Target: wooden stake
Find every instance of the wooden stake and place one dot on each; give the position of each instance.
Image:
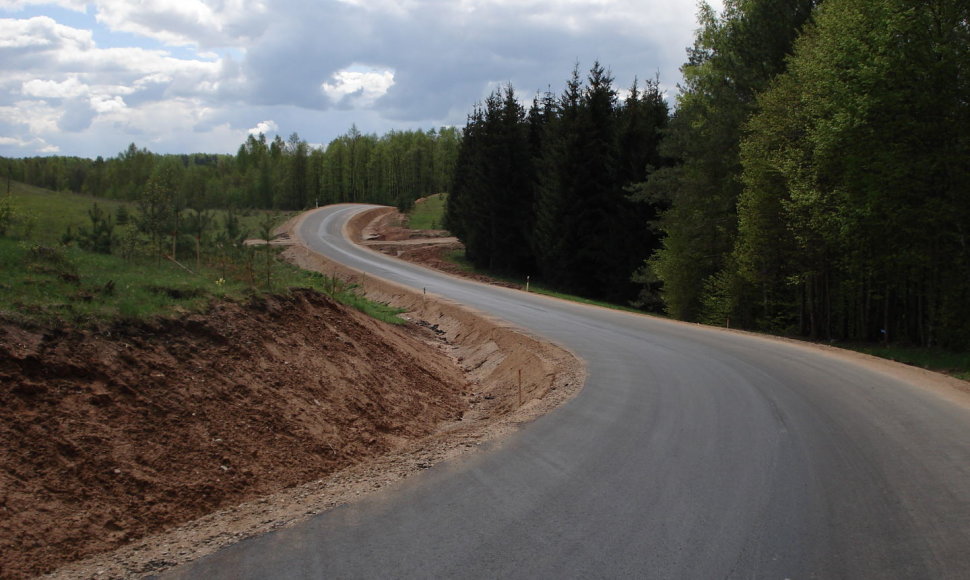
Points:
(174, 261)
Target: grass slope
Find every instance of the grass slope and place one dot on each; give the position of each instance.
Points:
(43, 281)
(428, 214)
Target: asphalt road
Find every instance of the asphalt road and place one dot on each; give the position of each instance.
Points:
(691, 453)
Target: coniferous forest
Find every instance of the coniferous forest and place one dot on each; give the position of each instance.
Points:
(810, 177)
(545, 191)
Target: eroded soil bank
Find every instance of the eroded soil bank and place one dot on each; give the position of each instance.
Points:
(109, 436)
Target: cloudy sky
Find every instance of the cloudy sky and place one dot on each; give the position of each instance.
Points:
(87, 78)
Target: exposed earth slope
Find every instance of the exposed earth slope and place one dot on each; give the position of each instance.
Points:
(107, 436)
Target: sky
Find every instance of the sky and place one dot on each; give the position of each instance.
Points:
(87, 78)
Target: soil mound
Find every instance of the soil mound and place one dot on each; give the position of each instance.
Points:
(107, 436)
(385, 231)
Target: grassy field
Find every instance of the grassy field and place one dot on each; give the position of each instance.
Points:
(429, 214)
(45, 281)
(46, 215)
(49, 213)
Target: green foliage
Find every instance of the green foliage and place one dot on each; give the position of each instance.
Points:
(544, 192)
(100, 237)
(491, 199)
(7, 214)
(266, 226)
(53, 285)
(351, 295)
(156, 212)
(734, 57)
(854, 213)
(122, 216)
(72, 285)
(394, 169)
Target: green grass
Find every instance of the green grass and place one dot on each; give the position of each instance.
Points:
(43, 281)
(44, 215)
(540, 289)
(49, 213)
(458, 258)
(54, 284)
(956, 364)
(429, 214)
(351, 296)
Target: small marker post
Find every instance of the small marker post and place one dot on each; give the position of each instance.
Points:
(520, 387)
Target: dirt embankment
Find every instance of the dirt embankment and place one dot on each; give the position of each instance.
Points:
(493, 353)
(170, 440)
(385, 232)
(108, 436)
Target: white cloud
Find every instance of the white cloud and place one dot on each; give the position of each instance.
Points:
(105, 104)
(42, 32)
(364, 86)
(14, 5)
(45, 89)
(264, 127)
(57, 80)
(38, 117)
(32, 147)
(133, 70)
(185, 22)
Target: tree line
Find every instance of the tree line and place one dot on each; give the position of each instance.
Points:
(394, 169)
(544, 192)
(823, 179)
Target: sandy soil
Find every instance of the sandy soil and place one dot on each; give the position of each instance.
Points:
(126, 451)
(384, 232)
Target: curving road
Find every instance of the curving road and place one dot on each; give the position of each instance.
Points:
(691, 453)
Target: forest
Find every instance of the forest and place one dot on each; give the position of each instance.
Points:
(824, 146)
(813, 178)
(394, 169)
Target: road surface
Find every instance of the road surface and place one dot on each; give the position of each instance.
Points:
(691, 453)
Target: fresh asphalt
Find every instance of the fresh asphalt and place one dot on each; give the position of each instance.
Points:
(690, 453)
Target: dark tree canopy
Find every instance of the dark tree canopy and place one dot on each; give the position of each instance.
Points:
(544, 192)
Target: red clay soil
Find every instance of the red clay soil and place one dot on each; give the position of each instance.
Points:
(107, 436)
